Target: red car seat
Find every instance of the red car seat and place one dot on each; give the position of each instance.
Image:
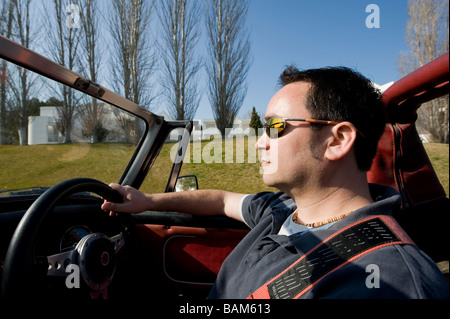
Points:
(402, 162)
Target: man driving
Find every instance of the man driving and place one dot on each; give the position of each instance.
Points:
(326, 228)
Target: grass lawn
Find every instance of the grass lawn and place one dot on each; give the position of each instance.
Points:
(238, 177)
(438, 154)
(46, 165)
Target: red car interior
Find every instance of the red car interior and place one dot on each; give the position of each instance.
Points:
(190, 257)
(401, 161)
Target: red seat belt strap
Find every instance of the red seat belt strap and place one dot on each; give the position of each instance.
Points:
(336, 251)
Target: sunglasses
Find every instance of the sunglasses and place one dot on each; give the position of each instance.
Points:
(275, 126)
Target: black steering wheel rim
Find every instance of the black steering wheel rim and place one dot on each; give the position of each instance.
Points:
(20, 258)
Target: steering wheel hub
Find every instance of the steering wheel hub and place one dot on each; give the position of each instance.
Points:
(97, 260)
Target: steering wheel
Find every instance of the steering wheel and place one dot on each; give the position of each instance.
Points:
(93, 258)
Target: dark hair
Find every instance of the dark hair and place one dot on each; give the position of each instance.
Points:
(341, 94)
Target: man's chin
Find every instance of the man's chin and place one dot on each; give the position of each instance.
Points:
(268, 168)
(269, 180)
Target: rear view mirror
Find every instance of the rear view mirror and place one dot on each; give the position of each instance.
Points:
(186, 183)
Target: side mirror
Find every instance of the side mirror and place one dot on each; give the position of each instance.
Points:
(186, 183)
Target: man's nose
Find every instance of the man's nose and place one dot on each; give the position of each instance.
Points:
(263, 142)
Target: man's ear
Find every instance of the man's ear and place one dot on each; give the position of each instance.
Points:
(341, 141)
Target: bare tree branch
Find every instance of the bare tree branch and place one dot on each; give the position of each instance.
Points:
(6, 21)
(90, 113)
(24, 81)
(180, 34)
(229, 49)
(63, 42)
(133, 57)
(427, 37)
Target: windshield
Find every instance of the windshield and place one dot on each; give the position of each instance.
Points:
(52, 133)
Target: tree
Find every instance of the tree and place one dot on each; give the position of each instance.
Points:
(6, 19)
(180, 34)
(229, 51)
(64, 39)
(255, 121)
(133, 59)
(90, 113)
(427, 36)
(22, 81)
(52, 101)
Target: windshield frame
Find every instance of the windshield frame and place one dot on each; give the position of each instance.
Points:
(156, 128)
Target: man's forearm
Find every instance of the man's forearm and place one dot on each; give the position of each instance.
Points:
(199, 202)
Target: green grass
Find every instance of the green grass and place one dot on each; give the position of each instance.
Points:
(238, 177)
(46, 165)
(439, 154)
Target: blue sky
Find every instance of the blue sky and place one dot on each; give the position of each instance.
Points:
(318, 33)
(308, 34)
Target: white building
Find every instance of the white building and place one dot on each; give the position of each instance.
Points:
(42, 129)
(240, 127)
(207, 128)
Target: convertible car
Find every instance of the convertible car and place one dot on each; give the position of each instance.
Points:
(56, 242)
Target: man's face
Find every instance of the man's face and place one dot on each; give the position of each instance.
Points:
(287, 161)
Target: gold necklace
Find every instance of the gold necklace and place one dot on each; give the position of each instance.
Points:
(321, 223)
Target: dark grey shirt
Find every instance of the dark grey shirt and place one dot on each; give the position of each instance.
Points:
(404, 271)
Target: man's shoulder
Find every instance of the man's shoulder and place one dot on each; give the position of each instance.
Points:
(260, 205)
(269, 199)
(392, 272)
(399, 271)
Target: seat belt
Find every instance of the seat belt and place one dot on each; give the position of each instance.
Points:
(336, 251)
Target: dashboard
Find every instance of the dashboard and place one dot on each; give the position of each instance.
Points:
(63, 228)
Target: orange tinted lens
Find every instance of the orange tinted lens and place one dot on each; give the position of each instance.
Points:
(275, 127)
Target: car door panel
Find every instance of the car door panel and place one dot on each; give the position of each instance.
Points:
(187, 259)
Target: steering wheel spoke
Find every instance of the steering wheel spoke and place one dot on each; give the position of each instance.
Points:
(58, 263)
(118, 241)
